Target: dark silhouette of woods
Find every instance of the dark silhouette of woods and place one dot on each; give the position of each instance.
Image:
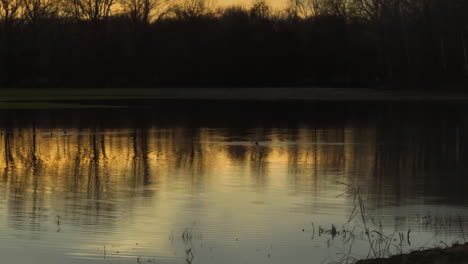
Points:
(150, 43)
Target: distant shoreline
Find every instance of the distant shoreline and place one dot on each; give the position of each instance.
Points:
(21, 95)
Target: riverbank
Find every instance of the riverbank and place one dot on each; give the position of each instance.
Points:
(260, 94)
(456, 254)
(42, 98)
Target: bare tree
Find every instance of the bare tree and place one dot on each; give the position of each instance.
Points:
(304, 8)
(260, 9)
(93, 10)
(311, 8)
(383, 14)
(376, 10)
(339, 8)
(188, 9)
(144, 11)
(10, 12)
(35, 10)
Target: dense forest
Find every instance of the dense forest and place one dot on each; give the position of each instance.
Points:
(151, 43)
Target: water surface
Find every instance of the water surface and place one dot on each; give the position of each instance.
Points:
(227, 182)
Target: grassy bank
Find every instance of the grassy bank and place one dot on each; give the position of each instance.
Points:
(273, 94)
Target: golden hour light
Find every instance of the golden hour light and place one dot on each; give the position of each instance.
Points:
(233, 131)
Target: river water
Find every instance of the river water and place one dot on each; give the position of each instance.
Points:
(231, 182)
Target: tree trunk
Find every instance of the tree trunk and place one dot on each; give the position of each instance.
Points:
(465, 55)
(442, 54)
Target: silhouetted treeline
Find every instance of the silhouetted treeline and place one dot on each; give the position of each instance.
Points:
(150, 43)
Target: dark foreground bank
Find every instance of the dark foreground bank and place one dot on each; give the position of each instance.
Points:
(456, 254)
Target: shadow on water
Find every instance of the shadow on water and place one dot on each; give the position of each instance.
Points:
(95, 159)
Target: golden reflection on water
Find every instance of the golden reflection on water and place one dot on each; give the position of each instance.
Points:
(97, 164)
(138, 156)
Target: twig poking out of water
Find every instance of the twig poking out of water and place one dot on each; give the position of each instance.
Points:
(380, 243)
(189, 256)
(58, 224)
(333, 231)
(171, 236)
(462, 230)
(313, 231)
(368, 229)
(187, 235)
(408, 237)
(105, 252)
